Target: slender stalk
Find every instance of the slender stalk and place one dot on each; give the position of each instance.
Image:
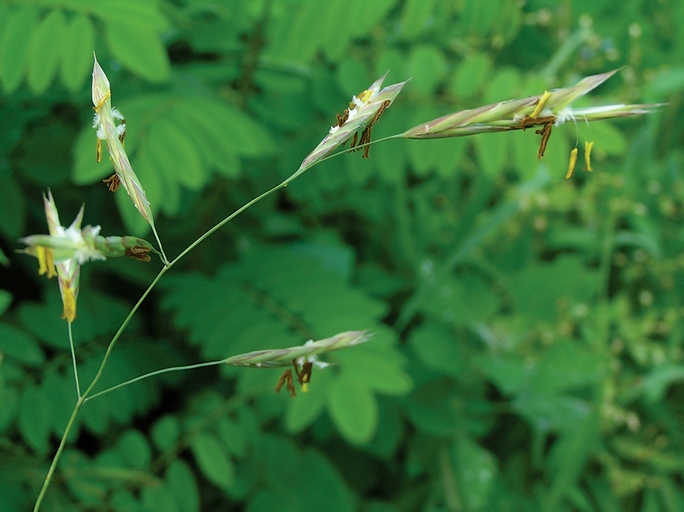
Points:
(81, 400)
(154, 373)
(266, 194)
(58, 455)
(225, 221)
(73, 360)
(161, 247)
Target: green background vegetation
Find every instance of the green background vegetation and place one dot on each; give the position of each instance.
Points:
(527, 329)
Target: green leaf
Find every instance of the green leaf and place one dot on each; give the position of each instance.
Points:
(159, 497)
(550, 412)
(175, 155)
(45, 51)
(462, 300)
(269, 499)
(391, 61)
(366, 16)
(221, 157)
(427, 155)
(228, 128)
(145, 14)
(566, 277)
(351, 77)
(134, 449)
(233, 435)
(371, 367)
(477, 18)
(77, 56)
(415, 15)
(427, 65)
(333, 41)
(17, 344)
(165, 432)
(510, 374)
(34, 418)
(139, 49)
(470, 75)
(493, 152)
(320, 486)
(212, 459)
(659, 379)
(5, 301)
(182, 484)
(438, 348)
(476, 471)
(299, 33)
(14, 49)
(303, 411)
(504, 85)
(569, 457)
(432, 411)
(353, 409)
(567, 365)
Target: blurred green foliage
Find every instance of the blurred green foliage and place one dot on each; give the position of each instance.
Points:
(527, 351)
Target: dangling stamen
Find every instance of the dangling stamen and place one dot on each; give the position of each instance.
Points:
(286, 377)
(571, 163)
(587, 156)
(113, 182)
(545, 133)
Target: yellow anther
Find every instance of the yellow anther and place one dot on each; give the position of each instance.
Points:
(571, 163)
(69, 301)
(107, 95)
(587, 156)
(365, 95)
(98, 151)
(46, 263)
(540, 104)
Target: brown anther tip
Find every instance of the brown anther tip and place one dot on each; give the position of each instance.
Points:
(112, 182)
(341, 119)
(303, 375)
(545, 133)
(354, 139)
(286, 377)
(122, 137)
(139, 253)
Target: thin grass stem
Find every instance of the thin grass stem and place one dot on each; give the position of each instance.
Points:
(73, 360)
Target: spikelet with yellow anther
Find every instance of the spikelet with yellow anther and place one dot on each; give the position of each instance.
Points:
(548, 110)
(62, 252)
(363, 112)
(107, 129)
(303, 358)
